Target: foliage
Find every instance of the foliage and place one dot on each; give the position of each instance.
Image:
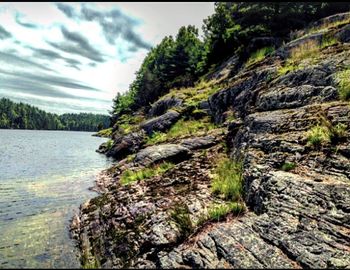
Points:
(287, 166)
(343, 80)
(182, 128)
(227, 181)
(233, 25)
(218, 211)
(130, 176)
(338, 132)
(109, 144)
(259, 55)
(24, 116)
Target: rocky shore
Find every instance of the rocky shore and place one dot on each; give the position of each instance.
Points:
(284, 119)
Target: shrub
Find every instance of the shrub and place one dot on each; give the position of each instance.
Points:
(109, 144)
(218, 211)
(130, 176)
(259, 55)
(343, 80)
(287, 166)
(227, 181)
(318, 135)
(105, 132)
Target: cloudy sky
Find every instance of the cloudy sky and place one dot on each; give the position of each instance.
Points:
(75, 57)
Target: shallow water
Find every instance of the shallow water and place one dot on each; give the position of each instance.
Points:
(44, 177)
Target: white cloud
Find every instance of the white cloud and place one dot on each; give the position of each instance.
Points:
(155, 20)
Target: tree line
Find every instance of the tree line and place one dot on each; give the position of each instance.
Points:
(23, 116)
(179, 61)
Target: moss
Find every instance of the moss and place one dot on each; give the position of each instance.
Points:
(181, 216)
(259, 55)
(343, 80)
(109, 144)
(219, 211)
(105, 132)
(287, 166)
(130, 176)
(227, 181)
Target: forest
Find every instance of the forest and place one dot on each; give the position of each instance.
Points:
(182, 60)
(23, 116)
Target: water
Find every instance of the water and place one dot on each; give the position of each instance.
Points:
(44, 177)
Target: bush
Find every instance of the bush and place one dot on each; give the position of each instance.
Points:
(181, 216)
(343, 80)
(227, 181)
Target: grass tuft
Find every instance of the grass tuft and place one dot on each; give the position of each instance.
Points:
(259, 55)
(287, 166)
(227, 181)
(343, 80)
(130, 176)
(219, 211)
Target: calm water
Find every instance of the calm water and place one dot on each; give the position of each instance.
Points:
(44, 177)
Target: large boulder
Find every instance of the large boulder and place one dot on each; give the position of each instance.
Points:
(199, 142)
(158, 153)
(127, 144)
(162, 105)
(160, 123)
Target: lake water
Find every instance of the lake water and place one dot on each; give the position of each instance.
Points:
(44, 177)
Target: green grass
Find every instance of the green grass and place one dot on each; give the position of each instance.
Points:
(130, 176)
(181, 216)
(328, 41)
(182, 128)
(309, 50)
(338, 132)
(218, 211)
(287, 166)
(129, 123)
(227, 181)
(259, 55)
(318, 135)
(343, 80)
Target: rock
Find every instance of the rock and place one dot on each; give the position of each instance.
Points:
(157, 153)
(160, 123)
(199, 142)
(126, 144)
(162, 105)
(103, 148)
(343, 34)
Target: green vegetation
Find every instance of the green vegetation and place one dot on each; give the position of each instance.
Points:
(343, 80)
(287, 166)
(318, 135)
(218, 211)
(130, 176)
(128, 122)
(23, 116)
(181, 216)
(109, 144)
(182, 128)
(227, 181)
(259, 55)
(306, 51)
(328, 41)
(107, 132)
(338, 132)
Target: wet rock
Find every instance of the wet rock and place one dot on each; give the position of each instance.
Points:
(160, 123)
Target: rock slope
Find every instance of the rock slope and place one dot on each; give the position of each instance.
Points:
(297, 193)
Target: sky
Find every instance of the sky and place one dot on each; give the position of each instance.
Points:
(75, 57)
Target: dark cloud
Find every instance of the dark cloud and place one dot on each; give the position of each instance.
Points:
(113, 23)
(10, 57)
(51, 55)
(77, 44)
(28, 25)
(67, 10)
(4, 34)
(49, 79)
